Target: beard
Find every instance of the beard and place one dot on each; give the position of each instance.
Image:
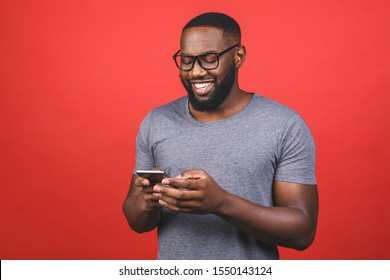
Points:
(221, 92)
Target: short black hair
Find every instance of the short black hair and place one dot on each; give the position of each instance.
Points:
(218, 20)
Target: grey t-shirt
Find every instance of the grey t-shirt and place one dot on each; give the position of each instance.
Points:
(244, 153)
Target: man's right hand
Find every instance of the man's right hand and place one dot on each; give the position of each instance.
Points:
(141, 208)
(146, 189)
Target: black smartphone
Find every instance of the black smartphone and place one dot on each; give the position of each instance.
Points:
(154, 176)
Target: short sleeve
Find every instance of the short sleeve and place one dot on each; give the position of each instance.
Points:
(144, 155)
(296, 153)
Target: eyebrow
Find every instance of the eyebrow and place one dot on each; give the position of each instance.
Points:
(203, 53)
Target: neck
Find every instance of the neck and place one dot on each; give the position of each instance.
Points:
(234, 103)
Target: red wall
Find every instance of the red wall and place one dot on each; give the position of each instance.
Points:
(77, 77)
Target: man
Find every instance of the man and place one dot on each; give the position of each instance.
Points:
(241, 166)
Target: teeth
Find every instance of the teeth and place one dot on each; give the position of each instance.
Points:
(202, 85)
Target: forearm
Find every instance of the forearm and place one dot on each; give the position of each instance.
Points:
(290, 223)
(140, 218)
(284, 226)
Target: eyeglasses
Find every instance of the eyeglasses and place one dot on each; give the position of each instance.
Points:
(208, 61)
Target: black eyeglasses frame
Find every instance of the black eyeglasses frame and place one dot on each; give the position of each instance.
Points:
(196, 58)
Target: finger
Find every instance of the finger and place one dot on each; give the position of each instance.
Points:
(175, 208)
(192, 174)
(147, 189)
(179, 183)
(191, 204)
(150, 199)
(177, 193)
(152, 203)
(140, 182)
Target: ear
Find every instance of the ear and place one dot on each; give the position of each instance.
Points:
(240, 56)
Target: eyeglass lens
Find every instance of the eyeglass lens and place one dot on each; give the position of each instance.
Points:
(206, 61)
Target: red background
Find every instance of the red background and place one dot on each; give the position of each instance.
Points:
(77, 77)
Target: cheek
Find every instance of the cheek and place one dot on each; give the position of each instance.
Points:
(222, 71)
(226, 71)
(218, 75)
(183, 75)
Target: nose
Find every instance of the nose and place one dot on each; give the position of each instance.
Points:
(197, 70)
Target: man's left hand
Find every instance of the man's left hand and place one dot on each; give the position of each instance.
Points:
(194, 191)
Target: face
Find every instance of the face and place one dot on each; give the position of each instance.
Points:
(207, 89)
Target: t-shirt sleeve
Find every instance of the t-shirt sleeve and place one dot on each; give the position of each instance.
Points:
(296, 153)
(144, 155)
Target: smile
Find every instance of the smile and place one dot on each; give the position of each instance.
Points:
(202, 88)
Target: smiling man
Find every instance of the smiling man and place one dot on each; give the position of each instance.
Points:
(240, 167)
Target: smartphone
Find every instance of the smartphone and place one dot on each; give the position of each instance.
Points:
(154, 176)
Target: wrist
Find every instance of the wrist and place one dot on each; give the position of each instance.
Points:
(225, 204)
